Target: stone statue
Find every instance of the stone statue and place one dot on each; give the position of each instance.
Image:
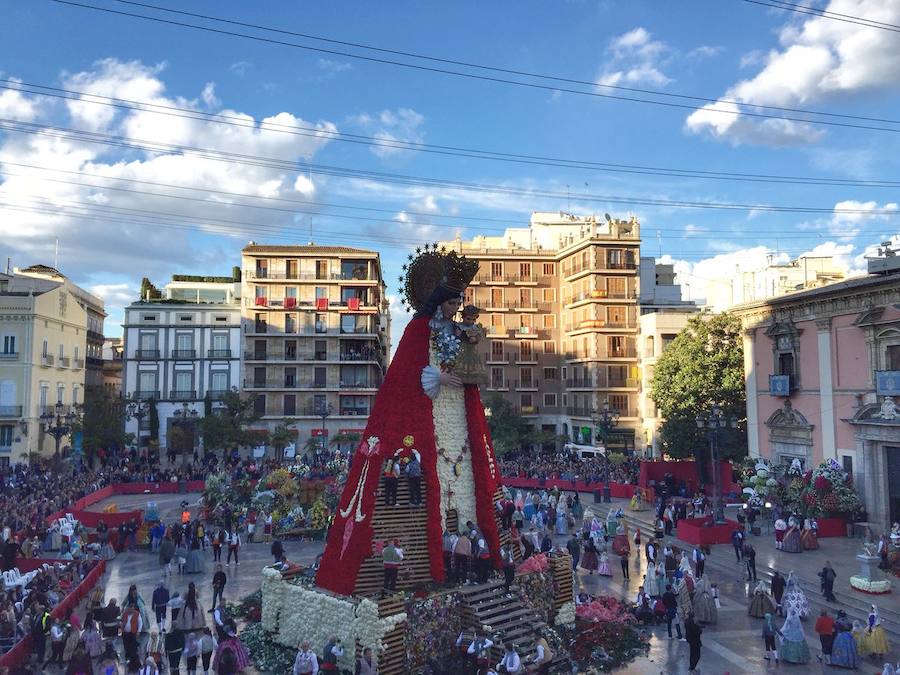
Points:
(889, 409)
(867, 549)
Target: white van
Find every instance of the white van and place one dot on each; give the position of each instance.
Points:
(585, 451)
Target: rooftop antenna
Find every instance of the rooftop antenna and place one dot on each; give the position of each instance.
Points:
(56, 256)
(659, 242)
(311, 242)
(568, 199)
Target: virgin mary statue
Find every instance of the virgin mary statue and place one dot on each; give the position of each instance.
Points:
(421, 409)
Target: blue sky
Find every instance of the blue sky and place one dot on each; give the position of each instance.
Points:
(721, 48)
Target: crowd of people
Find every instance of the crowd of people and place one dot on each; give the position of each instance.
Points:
(567, 465)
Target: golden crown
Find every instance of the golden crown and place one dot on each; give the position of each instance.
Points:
(431, 267)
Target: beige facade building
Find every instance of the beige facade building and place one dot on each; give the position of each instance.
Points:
(43, 342)
(560, 306)
(663, 315)
(316, 335)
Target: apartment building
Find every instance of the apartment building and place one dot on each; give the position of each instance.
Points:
(182, 343)
(94, 306)
(663, 314)
(559, 301)
(316, 335)
(43, 339)
(113, 354)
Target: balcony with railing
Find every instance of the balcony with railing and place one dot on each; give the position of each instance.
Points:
(219, 353)
(7, 411)
(216, 394)
(497, 331)
(526, 385)
(146, 394)
(184, 353)
(371, 383)
(183, 394)
(498, 385)
(64, 362)
(526, 410)
(78, 364)
(47, 359)
(578, 411)
(146, 354)
(580, 383)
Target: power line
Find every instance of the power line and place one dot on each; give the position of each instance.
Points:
(532, 85)
(447, 150)
(207, 202)
(826, 14)
(383, 177)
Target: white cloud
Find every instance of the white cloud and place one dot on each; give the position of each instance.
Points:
(240, 68)
(848, 225)
(635, 58)
(705, 52)
(116, 294)
(752, 58)
(15, 106)
(691, 229)
(129, 231)
(819, 59)
(399, 319)
(209, 95)
(330, 66)
(402, 124)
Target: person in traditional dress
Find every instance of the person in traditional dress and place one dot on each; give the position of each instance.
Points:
(791, 542)
(794, 598)
(194, 561)
(621, 543)
(810, 539)
(423, 405)
(793, 647)
(683, 594)
(651, 584)
(590, 561)
(844, 652)
(704, 605)
(684, 564)
(780, 528)
(875, 638)
(562, 524)
(761, 603)
(603, 568)
(637, 500)
(859, 636)
(661, 579)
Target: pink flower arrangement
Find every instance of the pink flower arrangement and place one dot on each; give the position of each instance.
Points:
(606, 610)
(810, 499)
(807, 477)
(822, 484)
(536, 563)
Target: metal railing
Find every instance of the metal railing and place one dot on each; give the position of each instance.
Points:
(78, 363)
(146, 354)
(64, 362)
(143, 395)
(219, 353)
(46, 359)
(184, 353)
(183, 394)
(523, 384)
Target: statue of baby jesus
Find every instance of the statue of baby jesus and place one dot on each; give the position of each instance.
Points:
(469, 366)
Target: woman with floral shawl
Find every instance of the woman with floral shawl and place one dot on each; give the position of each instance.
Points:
(704, 606)
(761, 603)
(844, 653)
(794, 598)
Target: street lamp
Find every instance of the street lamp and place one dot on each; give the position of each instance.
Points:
(58, 424)
(325, 412)
(605, 420)
(185, 417)
(137, 410)
(713, 422)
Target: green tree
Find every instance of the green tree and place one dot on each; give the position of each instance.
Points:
(229, 425)
(282, 436)
(351, 438)
(154, 421)
(509, 431)
(703, 366)
(101, 422)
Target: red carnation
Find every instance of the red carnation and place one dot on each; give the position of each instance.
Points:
(810, 499)
(807, 477)
(822, 484)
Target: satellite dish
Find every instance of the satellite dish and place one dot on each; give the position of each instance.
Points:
(608, 217)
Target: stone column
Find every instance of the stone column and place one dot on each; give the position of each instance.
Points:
(826, 389)
(753, 422)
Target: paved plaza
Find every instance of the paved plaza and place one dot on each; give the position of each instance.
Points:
(733, 645)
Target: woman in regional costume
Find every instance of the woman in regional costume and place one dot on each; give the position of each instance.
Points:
(875, 639)
(637, 500)
(651, 586)
(684, 564)
(562, 521)
(810, 537)
(590, 561)
(780, 529)
(620, 542)
(844, 652)
(683, 597)
(603, 568)
(761, 603)
(704, 604)
(194, 564)
(859, 637)
(421, 404)
(791, 542)
(794, 598)
(793, 647)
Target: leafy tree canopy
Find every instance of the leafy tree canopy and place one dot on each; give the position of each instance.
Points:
(228, 426)
(703, 366)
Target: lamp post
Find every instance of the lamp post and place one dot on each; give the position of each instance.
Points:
(184, 418)
(325, 412)
(59, 424)
(136, 409)
(605, 420)
(714, 421)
